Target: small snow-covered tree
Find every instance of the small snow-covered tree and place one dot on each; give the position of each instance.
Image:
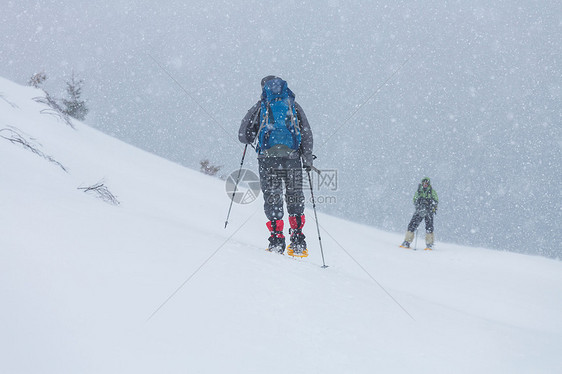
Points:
(75, 106)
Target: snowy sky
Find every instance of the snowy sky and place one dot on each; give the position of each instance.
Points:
(476, 107)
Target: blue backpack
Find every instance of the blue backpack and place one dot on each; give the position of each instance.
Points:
(279, 132)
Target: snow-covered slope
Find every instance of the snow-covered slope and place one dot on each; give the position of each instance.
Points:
(157, 285)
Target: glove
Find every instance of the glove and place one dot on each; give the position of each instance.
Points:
(434, 209)
(307, 167)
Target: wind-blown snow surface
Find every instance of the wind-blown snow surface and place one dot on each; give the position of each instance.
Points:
(157, 285)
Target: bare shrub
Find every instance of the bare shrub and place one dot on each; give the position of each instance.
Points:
(101, 191)
(37, 79)
(54, 109)
(15, 137)
(207, 168)
(8, 101)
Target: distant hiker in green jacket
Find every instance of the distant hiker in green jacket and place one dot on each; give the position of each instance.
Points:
(425, 201)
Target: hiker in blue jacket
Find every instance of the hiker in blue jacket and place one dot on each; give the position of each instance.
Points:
(280, 129)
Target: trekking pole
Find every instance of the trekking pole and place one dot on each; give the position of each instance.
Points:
(235, 185)
(316, 218)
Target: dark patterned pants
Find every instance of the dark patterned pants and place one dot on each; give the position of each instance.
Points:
(276, 174)
(419, 215)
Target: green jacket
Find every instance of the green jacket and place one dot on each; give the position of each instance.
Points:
(426, 197)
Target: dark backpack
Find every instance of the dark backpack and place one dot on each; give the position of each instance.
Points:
(279, 132)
